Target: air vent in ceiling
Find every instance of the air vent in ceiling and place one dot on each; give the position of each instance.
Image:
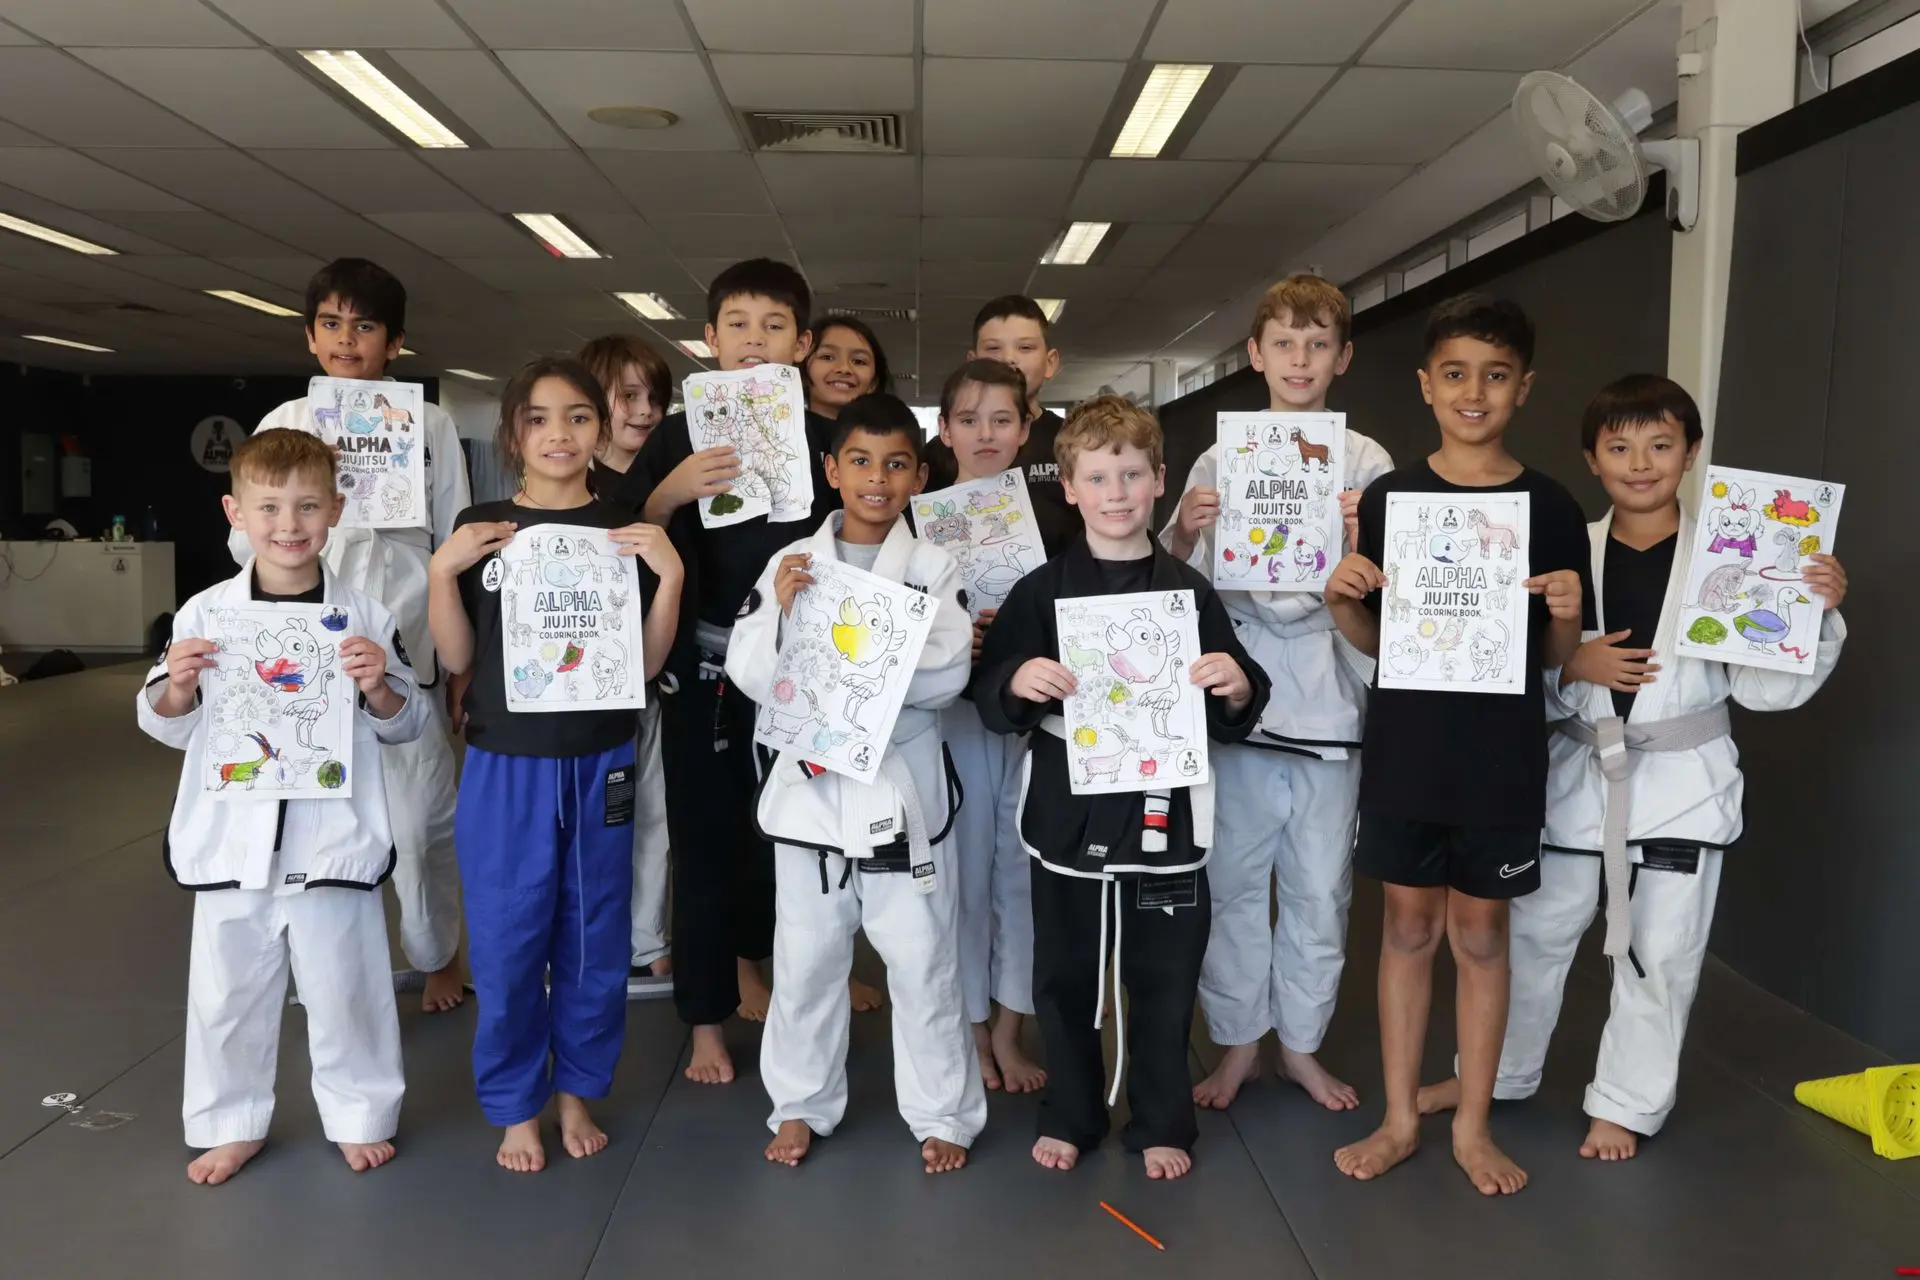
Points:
(876, 313)
(824, 131)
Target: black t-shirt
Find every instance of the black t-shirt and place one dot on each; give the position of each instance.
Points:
(551, 735)
(1468, 759)
(1634, 589)
(316, 594)
(1059, 519)
(1124, 577)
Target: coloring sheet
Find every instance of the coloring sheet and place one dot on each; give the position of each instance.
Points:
(279, 708)
(1453, 616)
(1136, 721)
(847, 653)
(761, 412)
(570, 621)
(988, 526)
(1280, 526)
(380, 430)
(1745, 602)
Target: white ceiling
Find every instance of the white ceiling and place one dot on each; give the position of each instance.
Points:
(191, 136)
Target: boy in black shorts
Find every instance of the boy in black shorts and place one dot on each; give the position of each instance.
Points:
(1453, 795)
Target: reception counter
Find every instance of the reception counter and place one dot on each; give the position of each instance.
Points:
(91, 597)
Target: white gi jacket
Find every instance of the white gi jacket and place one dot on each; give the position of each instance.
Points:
(233, 842)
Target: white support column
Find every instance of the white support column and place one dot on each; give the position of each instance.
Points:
(1166, 382)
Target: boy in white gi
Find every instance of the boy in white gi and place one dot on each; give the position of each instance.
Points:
(286, 880)
(820, 897)
(1680, 786)
(1296, 779)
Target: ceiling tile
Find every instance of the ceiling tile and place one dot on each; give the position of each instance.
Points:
(206, 234)
(802, 82)
(1211, 284)
(13, 35)
(668, 182)
(1161, 190)
(576, 24)
(48, 213)
(863, 278)
(730, 236)
(529, 181)
(190, 272)
(570, 84)
(348, 24)
(1306, 197)
(1003, 107)
(980, 187)
(224, 180)
(53, 94)
(1250, 250)
(1377, 115)
(1494, 36)
(330, 235)
(463, 235)
(11, 136)
(1144, 244)
(1024, 29)
(1297, 31)
(625, 236)
(860, 235)
(288, 273)
(173, 23)
(1256, 108)
(823, 184)
(1020, 240)
(820, 26)
(549, 275)
(247, 96)
(976, 280)
(373, 181)
(480, 96)
(1076, 283)
(79, 182)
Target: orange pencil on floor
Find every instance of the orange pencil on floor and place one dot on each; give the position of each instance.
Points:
(1132, 1226)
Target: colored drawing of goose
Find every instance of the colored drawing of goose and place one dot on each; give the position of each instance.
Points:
(1763, 627)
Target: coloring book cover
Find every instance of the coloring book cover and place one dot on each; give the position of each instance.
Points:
(1745, 602)
(570, 621)
(988, 526)
(1136, 721)
(279, 707)
(847, 653)
(1453, 616)
(1280, 526)
(761, 412)
(379, 428)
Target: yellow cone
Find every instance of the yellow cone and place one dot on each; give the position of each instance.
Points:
(1881, 1102)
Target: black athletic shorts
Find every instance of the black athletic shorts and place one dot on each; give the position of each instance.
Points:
(1481, 862)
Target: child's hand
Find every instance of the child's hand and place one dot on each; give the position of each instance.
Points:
(1600, 661)
(701, 475)
(1350, 514)
(980, 625)
(470, 544)
(1354, 578)
(1199, 509)
(651, 544)
(1221, 676)
(1562, 591)
(186, 659)
(1042, 680)
(1826, 576)
(790, 580)
(364, 662)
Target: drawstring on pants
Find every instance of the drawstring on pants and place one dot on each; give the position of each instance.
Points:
(566, 779)
(1119, 1009)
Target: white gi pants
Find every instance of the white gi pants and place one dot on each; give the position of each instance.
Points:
(1286, 819)
(803, 1056)
(1639, 1067)
(649, 840)
(336, 940)
(990, 864)
(426, 874)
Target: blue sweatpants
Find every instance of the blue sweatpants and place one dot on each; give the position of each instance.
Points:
(546, 868)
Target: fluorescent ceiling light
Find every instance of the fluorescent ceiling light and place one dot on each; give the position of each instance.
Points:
(1051, 307)
(468, 373)
(65, 342)
(51, 236)
(248, 300)
(562, 241)
(1165, 97)
(406, 352)
(370, 86)
(1076, 244)
(696, 348)
(649, 306)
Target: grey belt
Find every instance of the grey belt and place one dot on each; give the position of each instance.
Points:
(1615, 743)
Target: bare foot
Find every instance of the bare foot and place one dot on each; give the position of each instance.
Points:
(711, 1064)
(215, 1165)
(983, 1049)
(1372, 1156)
(1608, 1141)
(942, 1156)
(1020, 1073)
(578, 1133)
(1492, 1173)
(755, 995)
(1168, 1162)
(1052, 1153)
(1435, 1098)
(865, 998)
(521, 1149)
(1321, 1085)
(790, 1143)
(445, 989)
(1238, 1065)
(362, 1156)
(662, 968)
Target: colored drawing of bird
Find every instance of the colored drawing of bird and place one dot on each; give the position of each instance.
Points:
(531, 680)
(865, 632)
(1138, 651)
(1762, 627)
(308, 710)
(285, 656)
(1405, 655)
(561, 574)
(574, 654)
(247, 772)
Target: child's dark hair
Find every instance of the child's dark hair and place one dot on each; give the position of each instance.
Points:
(882, 374)
(762, 278)
(985, 373)
(877, 414)
(519, 394)
(1639, 400)
(1492, 320)
(608, 359)
(369, 288)
(1008, 306)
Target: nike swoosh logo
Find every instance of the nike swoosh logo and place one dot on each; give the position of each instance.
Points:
(1508, 873)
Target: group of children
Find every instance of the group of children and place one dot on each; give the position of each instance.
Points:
(982, 878)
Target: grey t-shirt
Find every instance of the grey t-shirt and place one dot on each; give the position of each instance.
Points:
(859, 555)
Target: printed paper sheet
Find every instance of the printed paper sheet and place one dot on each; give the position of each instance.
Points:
(570, 621)
(1280, 527)
(1453, 616)
(279, 705)
(761, 412)
(379, 428)
(988, 526)
(1136, 721)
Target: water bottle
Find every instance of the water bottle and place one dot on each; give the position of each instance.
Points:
(119, 529)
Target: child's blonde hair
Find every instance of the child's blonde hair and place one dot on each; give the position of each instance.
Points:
(271, 456)
(1107, 422)
(1302, 300)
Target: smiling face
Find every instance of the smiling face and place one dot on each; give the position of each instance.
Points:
(348, 344)
(1299, 359)
(635, 411)
(1114, 489)
(1020, 341)
(557, 431)
(285, 520)
(985, 430)
(1641, 464)
(755, 330)
(876, 473)
(840, 370)
(1474, 387)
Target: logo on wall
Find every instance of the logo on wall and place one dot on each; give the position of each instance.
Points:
(214, 440)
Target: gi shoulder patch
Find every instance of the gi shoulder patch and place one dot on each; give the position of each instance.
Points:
(751, 603)
(494, 574)
(400, 648)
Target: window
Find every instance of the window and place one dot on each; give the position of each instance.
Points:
(1875, 51)
(1500, 233)
(1432, 269)
(1369, 295)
